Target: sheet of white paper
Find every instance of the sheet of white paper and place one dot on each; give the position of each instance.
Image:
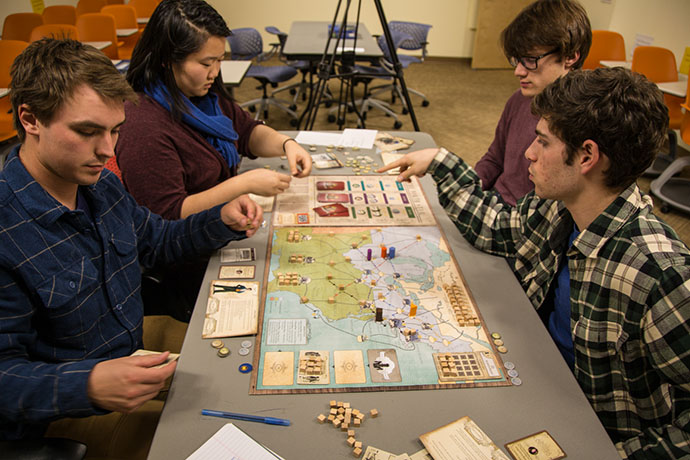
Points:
(317, 138)
(232, 443)
(362, 138)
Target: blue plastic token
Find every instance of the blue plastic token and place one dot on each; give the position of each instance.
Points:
(245, 368)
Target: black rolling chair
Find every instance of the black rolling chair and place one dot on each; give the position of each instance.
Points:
(295, 89)
(246, 43)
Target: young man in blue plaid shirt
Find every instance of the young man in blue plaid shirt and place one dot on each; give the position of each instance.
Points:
(610, 280)
(73, 243)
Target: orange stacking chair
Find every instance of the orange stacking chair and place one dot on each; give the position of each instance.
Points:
(18, 26)
(60, 14)
(125, 18)
(99, 27)
(89, 6)
(606, 46)
(9, 49)
(115, 2)
(144, 8)
(659, 65)
(54, 31)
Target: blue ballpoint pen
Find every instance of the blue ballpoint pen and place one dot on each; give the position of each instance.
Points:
(246, 417)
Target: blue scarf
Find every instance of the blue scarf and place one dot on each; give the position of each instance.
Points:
(205, 117)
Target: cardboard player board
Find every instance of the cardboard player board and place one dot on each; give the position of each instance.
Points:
(365, 309)
(352, 200)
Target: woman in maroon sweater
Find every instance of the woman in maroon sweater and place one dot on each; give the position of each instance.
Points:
(182, 144)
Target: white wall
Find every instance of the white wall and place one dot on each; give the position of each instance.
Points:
(665, 20)
(453, 21)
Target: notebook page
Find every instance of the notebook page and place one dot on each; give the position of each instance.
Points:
(231, 443)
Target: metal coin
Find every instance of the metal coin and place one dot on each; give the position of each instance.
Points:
(246, 344)
(502, 349)
(509, 365)
(243, 351)
(495, 335)
(245, 368)
(217, 344)
(513, 373)
(223, 352)
(517, 381)
(498, 342)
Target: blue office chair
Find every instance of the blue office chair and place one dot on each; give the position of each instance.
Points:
(295, 89)
(246, 44)
(419, 33)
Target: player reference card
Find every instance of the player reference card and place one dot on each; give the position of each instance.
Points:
(538, 446)
(236, 272)
(231, 255)
(232, 309)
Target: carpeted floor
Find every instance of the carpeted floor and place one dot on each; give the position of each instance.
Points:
(465, 106)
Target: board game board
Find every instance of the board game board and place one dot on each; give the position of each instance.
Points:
(361, 308)
(352, 200)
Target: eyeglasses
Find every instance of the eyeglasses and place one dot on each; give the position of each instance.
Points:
(529, 62)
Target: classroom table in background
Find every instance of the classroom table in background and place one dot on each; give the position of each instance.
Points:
(548, 399)
(99, 45)
(307, 40)
(143, 21)
(126, 32)
(674, 88)
(4, 92)
(233, 72)
(624, 64)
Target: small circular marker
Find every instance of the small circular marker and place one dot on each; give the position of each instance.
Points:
(509, 365)
(513, 373)
(498, 342)
(246, 344)
(495, 335)
(517, 381)
(245, 368)
(217, 343)
(223, 352)
(243, 351)
(502, 349)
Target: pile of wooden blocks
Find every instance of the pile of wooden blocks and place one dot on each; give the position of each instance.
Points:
(346, 418)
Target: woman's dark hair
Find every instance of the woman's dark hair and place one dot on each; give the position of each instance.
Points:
(176, 29)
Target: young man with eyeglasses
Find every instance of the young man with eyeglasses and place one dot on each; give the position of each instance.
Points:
(546, 40)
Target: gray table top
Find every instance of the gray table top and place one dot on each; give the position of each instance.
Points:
(549, 398)
(307, 40)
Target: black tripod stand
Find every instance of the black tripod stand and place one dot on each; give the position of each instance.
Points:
(346, 71)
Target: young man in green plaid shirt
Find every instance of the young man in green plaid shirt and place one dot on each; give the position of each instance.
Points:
(610, 280)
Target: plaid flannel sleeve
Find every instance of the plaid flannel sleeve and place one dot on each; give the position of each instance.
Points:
(666, 332)
(481, 216)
